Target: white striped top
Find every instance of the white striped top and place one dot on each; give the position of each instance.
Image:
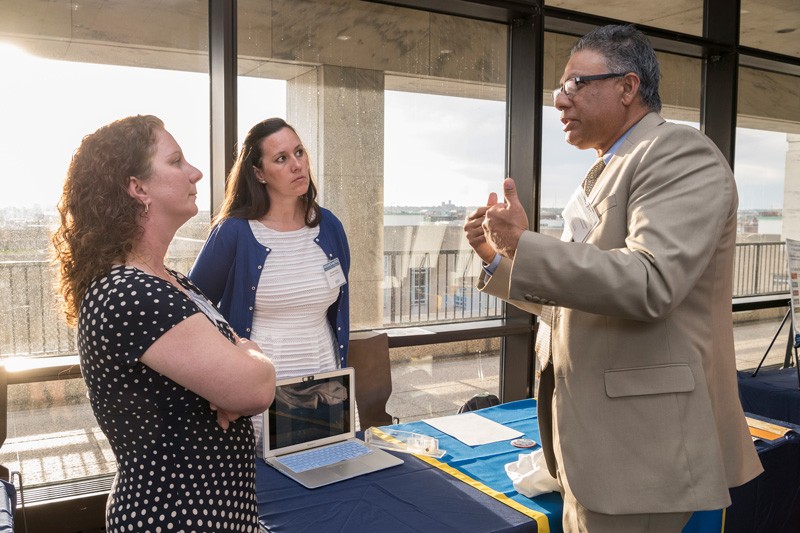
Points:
(292, 298)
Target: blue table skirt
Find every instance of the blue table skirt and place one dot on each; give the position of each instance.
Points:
(773, 393)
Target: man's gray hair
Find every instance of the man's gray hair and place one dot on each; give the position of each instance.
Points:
(626, 49)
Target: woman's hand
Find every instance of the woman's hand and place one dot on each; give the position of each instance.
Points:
(224, 418)
(247, 344)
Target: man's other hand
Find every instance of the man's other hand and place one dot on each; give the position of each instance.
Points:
(473, 228)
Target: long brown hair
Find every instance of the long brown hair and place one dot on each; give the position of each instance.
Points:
(99, 219)
(245, 197)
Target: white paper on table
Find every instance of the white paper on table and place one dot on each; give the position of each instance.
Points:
(473, 429)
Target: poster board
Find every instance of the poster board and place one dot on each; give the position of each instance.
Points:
(793, 259)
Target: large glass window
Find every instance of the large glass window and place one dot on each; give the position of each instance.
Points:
(403, 114)
(67, 72)
(73, 99)
(436, 379)
(52, 434)
(403, 118)
(767, 169)
(444, 155)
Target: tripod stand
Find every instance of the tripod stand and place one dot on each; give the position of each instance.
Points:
(791, 345)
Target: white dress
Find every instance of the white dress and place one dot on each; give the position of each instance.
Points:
(293, 296)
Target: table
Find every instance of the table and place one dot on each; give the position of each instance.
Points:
(468, 490)
(769, 502)
(483, 466)
(413, 497)
(772, 393)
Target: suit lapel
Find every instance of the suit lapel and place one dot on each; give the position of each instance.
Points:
(602, 200)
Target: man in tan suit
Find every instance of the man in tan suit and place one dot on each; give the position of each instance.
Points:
(638, 405)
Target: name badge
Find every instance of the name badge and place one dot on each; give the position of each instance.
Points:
(206, 307)
(334, 273)
(579, 217)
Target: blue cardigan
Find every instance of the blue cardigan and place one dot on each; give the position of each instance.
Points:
(229, 266)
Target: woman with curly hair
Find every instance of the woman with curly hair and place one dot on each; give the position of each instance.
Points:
(170, 383)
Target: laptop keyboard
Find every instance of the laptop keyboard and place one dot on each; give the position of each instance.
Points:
(327, 455)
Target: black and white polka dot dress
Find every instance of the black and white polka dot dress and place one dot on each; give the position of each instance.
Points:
(177, 470)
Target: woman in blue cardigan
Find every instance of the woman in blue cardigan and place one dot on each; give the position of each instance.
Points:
(276, 263)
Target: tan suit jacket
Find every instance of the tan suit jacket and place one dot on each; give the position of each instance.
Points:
(645, 403)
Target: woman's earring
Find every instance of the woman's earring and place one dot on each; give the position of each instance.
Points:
(259, 178)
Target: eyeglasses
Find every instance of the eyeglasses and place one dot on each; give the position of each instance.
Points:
(571, 86)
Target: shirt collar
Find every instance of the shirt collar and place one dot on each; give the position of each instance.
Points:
(614, 147)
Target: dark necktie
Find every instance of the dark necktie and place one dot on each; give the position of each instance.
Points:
(592, 175)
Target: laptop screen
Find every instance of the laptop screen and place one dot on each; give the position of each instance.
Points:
(309, 410)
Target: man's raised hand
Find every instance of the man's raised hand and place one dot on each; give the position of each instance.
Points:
(504, 224)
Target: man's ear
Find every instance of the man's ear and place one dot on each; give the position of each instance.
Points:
(630, 88)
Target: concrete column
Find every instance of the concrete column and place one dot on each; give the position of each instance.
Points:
(791, 188)
(344, 135)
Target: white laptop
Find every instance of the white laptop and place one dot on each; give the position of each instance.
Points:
(309, 431)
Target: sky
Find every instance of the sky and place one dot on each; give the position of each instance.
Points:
(438, 149)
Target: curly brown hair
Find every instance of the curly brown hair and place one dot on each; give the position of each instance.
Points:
(99, 219)
(245, 197)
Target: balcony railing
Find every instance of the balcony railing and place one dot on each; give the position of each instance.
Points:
(433, 287)
(419, 288)
(760, 269)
